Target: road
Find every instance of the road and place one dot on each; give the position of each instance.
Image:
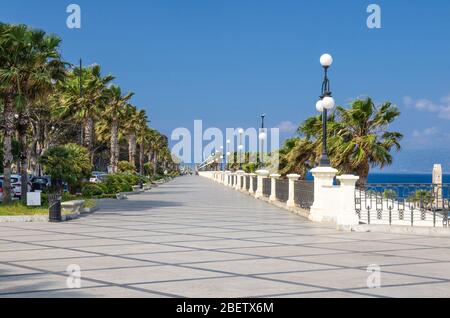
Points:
(195, 238)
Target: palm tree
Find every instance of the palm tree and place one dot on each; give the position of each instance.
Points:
(29, 61)
(130, 125)
(357, 137)
(116, 105)
(143, 134)
(43, 67)
(362, 139)
(13, 42)
(297, 156)
(84, 101)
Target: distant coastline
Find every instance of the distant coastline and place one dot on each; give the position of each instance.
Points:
(404, 178)
(378, 177)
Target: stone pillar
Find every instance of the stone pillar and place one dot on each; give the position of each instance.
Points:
(292, 178)
(437, 186)
(239, 175)
(324, 200)
(252, 179)
(244, 183)
(273, 187)
(262, 174)
(226, 179)
(347, 211)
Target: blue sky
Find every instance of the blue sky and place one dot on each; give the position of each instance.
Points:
(226, 62)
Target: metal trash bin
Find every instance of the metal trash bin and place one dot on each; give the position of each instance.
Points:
(54, 209)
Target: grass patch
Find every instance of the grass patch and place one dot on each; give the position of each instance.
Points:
(89, 203)
(17, 209)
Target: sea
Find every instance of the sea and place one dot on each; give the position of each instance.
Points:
(404, 178)
(415, 178)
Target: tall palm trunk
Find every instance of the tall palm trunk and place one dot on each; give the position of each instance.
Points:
(114, 145)
(155, 162)
(141, 158)
(23, 141)
(363, 172)
(88, 139)
(132, 149)
(8, 123)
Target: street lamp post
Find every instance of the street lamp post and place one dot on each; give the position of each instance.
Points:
(241, 147)
(262, 138)
(222, 166)
(227, 154)
(325, 104)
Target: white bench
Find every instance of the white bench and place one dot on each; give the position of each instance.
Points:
(73, 206)
(136, 188)
(121, 196)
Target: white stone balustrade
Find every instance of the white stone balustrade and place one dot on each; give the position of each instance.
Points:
(262, 174)
(273, 187)
(347, 213)
(244, 182)
(332, 204)
(291, 200)
(252, 180)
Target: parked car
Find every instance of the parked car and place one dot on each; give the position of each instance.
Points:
(98, 178)
(40, 183)
(16, 185)
(1, 191)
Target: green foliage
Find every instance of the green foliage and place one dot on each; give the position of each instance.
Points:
(148, 168)
(390, 194)
(122, 182)
(15, 152)
(250, 167)
(125, 167)
(423, 197)
(69, 163)
(91, 190)
(358, 139)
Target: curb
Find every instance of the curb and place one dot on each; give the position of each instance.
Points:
(23, 219)
(398, 229)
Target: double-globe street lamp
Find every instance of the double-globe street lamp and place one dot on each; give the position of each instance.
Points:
(262, 137)
(325, 104)
(240, 147)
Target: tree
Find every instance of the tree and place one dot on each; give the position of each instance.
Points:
(113, 113)
(142, 134)
(13, 44)
(358, 138)
(85, 102)
(42, 67)
(68, 163)
(362, 139)
(29, 61)
(125, 166)
(297, 156)
(130, 123)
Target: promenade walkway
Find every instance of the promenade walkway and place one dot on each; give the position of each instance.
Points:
(194, 238)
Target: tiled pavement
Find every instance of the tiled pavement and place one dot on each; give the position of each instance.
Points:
(194, 238)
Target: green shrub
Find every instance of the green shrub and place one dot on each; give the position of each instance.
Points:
(116, 183)
(69, 163)
(66, 196)
(92, 190)
(125, 166)
(149, 168)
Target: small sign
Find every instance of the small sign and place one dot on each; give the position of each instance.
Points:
(33, 199)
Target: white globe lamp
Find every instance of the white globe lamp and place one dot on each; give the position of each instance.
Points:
(326, 60)
(328, 102)
(319, 106)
